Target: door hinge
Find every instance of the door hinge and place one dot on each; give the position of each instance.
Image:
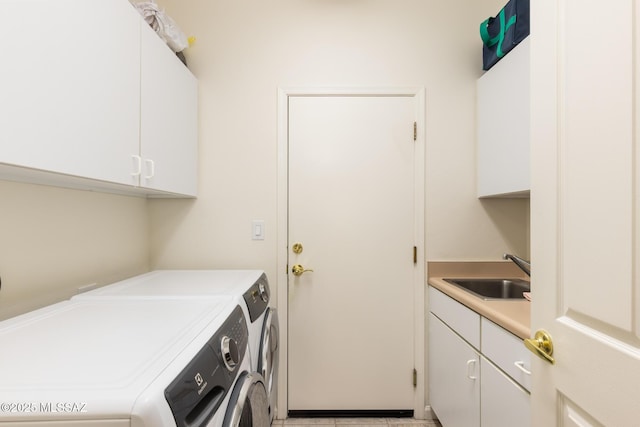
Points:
(415, 378)
(415, 254)
(415, 131)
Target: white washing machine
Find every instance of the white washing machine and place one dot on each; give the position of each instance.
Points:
(249, 287)
(136, 362)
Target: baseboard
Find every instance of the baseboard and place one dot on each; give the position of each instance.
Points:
(429, 414)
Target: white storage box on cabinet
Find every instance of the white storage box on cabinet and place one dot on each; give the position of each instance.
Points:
(503, 159)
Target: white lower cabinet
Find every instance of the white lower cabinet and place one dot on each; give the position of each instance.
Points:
(504, 403)
(477, 378)
(454, 377)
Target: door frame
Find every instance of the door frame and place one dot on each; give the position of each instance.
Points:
(282, 283)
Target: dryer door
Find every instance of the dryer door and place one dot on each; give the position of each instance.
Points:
(268, 358)
(249, 405)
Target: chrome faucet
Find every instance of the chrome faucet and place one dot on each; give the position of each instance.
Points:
(522, 264)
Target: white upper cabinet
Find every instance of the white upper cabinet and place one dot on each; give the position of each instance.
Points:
(69, 87)
(86, 103)
(169, 122)
(503, 126)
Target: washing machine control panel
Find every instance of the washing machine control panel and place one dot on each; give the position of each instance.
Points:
(257, 298)
(197, 392)
(230, 352)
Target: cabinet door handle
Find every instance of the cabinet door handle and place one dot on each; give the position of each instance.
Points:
(151, 168)
(520, 365)
(471, 365)
(138, 165)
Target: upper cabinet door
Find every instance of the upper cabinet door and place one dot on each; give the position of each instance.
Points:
(70, 87)
(169, 119)
(503, 126)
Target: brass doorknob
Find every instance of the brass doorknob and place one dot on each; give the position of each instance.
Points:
(298, 270)
(541, 345)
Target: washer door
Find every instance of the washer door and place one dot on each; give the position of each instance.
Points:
(249, 404)
(268, 357)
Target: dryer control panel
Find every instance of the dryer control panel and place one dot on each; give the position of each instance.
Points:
(196, 394)
(257, 297)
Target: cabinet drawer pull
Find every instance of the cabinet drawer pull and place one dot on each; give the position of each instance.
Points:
(471, 365)
(520, 365)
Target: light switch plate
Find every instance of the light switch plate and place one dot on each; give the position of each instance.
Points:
(257, 229)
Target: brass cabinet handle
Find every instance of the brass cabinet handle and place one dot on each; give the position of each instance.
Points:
(299, 270)
(541, 345)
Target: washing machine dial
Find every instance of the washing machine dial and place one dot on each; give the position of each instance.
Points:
(230, 352)
(262, 291)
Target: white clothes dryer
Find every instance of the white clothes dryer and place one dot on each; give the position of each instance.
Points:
(249, 287)
(139, 363)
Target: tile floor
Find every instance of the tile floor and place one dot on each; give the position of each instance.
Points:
(355, 422)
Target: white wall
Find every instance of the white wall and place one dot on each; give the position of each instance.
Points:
(246, 49)
(54, 240)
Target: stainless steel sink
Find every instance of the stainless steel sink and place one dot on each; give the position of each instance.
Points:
(493, 288)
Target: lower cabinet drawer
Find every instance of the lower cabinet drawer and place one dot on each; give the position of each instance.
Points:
(460, 318)
(504, 403)
(507, 351)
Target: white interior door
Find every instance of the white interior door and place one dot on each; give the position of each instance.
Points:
(585, 205)
(351, 207)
